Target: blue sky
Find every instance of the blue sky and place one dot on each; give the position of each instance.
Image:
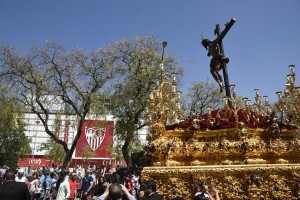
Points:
(261, 45)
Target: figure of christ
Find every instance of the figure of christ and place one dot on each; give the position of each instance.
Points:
(215, 50)
(216, 62)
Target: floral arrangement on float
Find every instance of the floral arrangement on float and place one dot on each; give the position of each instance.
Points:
(226, 119)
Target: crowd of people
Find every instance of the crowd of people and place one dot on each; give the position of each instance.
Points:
(89, 183)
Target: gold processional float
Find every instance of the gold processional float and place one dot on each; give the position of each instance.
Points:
(245, 153)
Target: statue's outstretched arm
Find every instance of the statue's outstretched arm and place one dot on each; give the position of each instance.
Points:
(225, 31)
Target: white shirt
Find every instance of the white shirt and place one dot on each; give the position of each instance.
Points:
(32, 185)
(26, 171)
(23, 179)
(63, 190)
(94, 177)
(135, 181)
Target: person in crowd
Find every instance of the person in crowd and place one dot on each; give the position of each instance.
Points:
(42, 177)
(100, 187)
(46, 186)
(72, 183)
(87, 185)
(55, 168)
(217, 197)
(135, 181)
(203, 192)
(26, 170)
(150, 191)
(20, 176)
(3, 169)
(29, 175)
(54, 177)
(113, 177)
(67, 175)
(52, 168)
(1, 179)
(13, 190)
(63, 191)
(93, 175)
(79, 170)
(202, 196)
(97, 175)
(128, 184)
(34, 187)
(104, 169)
(115, 191)
(141, 193)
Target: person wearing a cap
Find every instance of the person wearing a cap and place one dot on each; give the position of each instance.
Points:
(20, 176)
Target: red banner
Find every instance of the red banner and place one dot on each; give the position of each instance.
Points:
(35, 162)
(95, 140)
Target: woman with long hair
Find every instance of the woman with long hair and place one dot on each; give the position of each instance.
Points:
(34, 187)
(100, 186)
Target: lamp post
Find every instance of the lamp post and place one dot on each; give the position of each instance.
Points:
(164, 44)
(37, 123)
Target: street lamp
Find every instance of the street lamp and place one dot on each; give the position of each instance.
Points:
(37, 123)
(164, 44)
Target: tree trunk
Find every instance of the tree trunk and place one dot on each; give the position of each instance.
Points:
(125, 151)
(69, 152)
(67, 159)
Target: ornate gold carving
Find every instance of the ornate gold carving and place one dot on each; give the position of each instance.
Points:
(224, 147)
(247, 153)
(234, 182)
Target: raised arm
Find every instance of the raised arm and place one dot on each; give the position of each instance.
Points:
(127, 193)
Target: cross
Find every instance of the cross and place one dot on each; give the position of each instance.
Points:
(225, 73)
(216, 50)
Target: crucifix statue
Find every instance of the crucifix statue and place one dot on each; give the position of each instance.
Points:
(218, 60)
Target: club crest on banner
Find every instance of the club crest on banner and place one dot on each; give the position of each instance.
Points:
(94, 136)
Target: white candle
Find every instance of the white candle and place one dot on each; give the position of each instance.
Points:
(157, 94)
(279, 95)
(162, 66)
(174, 88)
(178, 95)
(151, 95)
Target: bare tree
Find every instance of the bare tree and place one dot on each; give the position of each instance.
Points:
(50, 74)
(200, 96)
